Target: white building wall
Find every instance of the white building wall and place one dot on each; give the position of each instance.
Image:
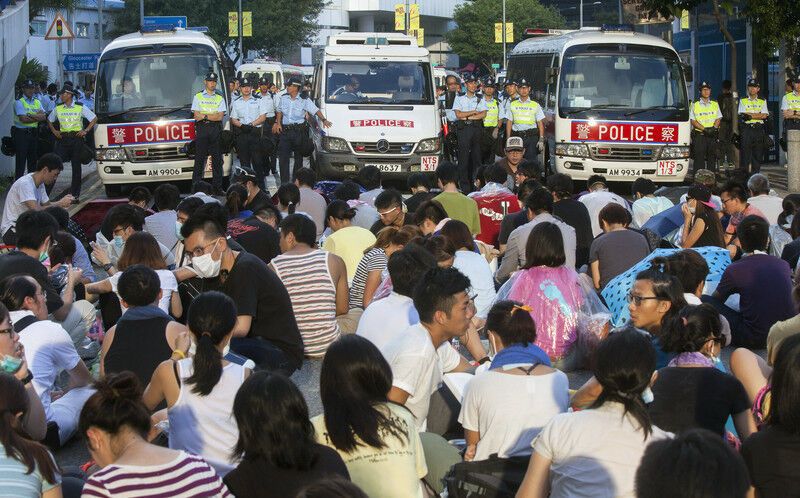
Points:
(13, 37)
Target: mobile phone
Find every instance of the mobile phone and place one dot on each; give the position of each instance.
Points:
(10, 364)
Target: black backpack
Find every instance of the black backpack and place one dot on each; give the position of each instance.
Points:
(492, 478)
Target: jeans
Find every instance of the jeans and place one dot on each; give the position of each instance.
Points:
(264, 354)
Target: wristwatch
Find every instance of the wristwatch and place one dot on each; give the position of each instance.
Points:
(28, 378)
(107, 266)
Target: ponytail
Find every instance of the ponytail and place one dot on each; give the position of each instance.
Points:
(211, 318)
(292, 207)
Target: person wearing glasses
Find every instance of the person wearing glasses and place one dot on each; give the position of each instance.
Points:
(392, 211)
(734, 203)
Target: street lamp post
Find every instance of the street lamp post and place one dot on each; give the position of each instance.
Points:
(141, 13)
(504, 35)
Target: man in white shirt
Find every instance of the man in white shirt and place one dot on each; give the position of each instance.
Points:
(29, 193)
(597, 198)
(647, 203)
(162, 224)
(422, 354)
(311, 202)
(49, 351)
(770, 205)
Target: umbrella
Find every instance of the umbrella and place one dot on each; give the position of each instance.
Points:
(665, 222)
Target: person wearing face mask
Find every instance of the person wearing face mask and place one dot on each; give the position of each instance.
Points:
(183, 211)
(256, 198)
(266, 329)
(701, 225)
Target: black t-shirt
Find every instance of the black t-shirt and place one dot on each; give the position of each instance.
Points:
(19, 263)
(575, 214)
(258, 478)
(260, 200)
(772, 456)
(378, 225)
(687, 398)
(413, 202)
(791, 253)
(259, 293)
(256, 237)
(510, 223)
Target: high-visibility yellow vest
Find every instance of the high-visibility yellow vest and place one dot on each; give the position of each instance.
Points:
(492, 113)
(793, 101)
(29, 109)
(70, 118)
(753, 106)
(524, 113)
(706, 115)
(208, 103)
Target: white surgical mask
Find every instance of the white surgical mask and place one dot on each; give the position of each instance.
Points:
(205, 266)
(647, 396)
(118, 242)
(692, 210)
(178, 226)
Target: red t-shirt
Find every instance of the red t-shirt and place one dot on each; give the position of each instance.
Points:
(493, 204)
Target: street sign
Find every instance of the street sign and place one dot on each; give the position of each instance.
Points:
(81, 62)
(59, 29)
(167, 21)
(495, 66)
(233, 24)
(202, 29)
(399, 17)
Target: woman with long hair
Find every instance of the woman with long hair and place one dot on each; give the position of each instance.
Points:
(596, 452)
(115, 424)
(199, 390)
(472, 264)
(377, 440)
(276, 441)
(288, 198)
(235, 200)
(701, 225)
(346, 240)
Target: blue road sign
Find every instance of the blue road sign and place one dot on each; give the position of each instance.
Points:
(175, 21)
(202, 29)
(80, 62)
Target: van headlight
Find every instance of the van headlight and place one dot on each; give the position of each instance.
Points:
(674, 152)
(333, 144)
(572, 150)
(429, 145)
(112, 154)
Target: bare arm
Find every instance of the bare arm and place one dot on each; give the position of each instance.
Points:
(472, 438)
(175, 304)
(154, 392)
(79, 376)
(242, 327)
(587, 394)
(595, 267)
(35, 421)
(397, 395)
(689, 238)
(339, 274)
(53, 493)
(370, 286)
(101, 287)
(537, 479)
(107, 340)
(745, 424)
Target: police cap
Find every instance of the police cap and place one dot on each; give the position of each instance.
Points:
(752, 82)
(67, 89)
(294, 81)
(470, 78)
(28, 84)
(704, 84)
(245, 82)
(264, 80)
(211, 76)
(523, 82)
(509, 82)
(488, 81)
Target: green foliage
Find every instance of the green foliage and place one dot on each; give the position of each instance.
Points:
(474, 38)
(31, 69)
(37, 6)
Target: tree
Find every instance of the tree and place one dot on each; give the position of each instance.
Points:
(776, 24)
(37, 6)
(474, 38)
(278, 27)
(31, 69)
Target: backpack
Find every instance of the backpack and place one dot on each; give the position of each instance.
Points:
(492, 478)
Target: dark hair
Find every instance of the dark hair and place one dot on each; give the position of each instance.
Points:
(50, 161)
(688, 266)
(624, 365)
(430, 210)
(18, 445)
(302, 227)
(418, 180)
(390, 235)
(596, 179)
(347, 191)
(289, 196)
(3, 311)
(124, 215)
(388, 198)
(407, 266)
(458, 235)
(540, 200)
(306, 177)
(710, 218)
(736, 191)
(644, 186)
(438, 246)
(60, 214)
(339, 210)
(545, 246)
(496, 173)
(235, 197)
(189, 205)
(666, 288)
(116, 403)
(785, 388)
(790, 205)
(690, 329)
(447, 172)
(331, 487)
(64, 251)
(141, 248)
(561, 185)
(139, 285)
(369, 177)
(140, 194)
(269, 211)
(33, 227)
(511, 323)
(273, 422)
(202, 186)
(166, 197)
(695, 464)
(726, 84)
(753, 233)
(210, 218)
(526, 169)
(436, 292)
(15, 289)
(525, 188)
(355, 378)
(211, 317)
(614, 214)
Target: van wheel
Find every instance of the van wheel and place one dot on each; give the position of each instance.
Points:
(113, 190)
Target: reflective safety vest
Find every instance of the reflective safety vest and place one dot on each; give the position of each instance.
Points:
(706, 115)
(70, 118)
(753, 106)
(793, 101)
(524, 113)
(492, 113)
(209, 104)
(29, 109)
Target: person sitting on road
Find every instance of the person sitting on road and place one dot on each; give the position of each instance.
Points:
(597, 198)
(369, 177)
(734, 203)
(140, 197)
(288, 199)
(81, 258)
(256, 197)
(762, 199)
(311, 201)
(573, 213)
(366, 214)
(430, 217)
(391, 211)
(258, 234)
(495, 201)
(472, 264)
(515, 158)
(346, 241)
(701, 225)
(457, 205)
(515, 220)
(162, 224)
(646, 204)
(618, 248)
(419, 185)
(183, 211)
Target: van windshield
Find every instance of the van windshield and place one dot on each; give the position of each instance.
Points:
(370, 82)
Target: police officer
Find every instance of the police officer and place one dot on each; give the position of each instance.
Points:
(470, 109)
(790, 107)
(269, 107)
(753, 113)
(452, 89)
(523, 118)
(705, 117)
(233, 88)
(28, 113)
(209, 110)
(70, 133)
(290, 124)
(491, 123)
(247, 118)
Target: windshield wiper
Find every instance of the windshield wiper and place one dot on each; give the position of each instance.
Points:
(652, 108)
(134, 109)
(594, 108)
(176, 109)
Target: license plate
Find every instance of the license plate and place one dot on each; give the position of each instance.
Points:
(623, 172)
(388, 168)
(163, 172)
(667, 168)
(429, 163)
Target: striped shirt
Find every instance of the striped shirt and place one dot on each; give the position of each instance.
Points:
(373, 260)
(16, 482)
(187, 476)
(308, 280)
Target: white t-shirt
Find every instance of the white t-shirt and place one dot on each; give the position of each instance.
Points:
(48, 351)
(594, 453)
(770, 205)
(385, 319)
(475, 267)
(161, 225)
(510, 410)
(597, 200)
(168, 285)
(22, 190)
(417, 368)
(647, 207)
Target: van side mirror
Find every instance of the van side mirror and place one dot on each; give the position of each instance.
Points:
(688, 73)
(550, 75)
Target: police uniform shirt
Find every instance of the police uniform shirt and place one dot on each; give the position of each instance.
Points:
(48, 103)
(465, 103)
(88, 102)
(246, 110)
(538, 115)
(294, 110)
(742, 109)
(85, 112)
(505, 103)
(794, 97)
(20, 110)
(704, 103)
(196, 102)
(269, 105)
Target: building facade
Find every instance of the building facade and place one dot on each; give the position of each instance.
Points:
(13, 37)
